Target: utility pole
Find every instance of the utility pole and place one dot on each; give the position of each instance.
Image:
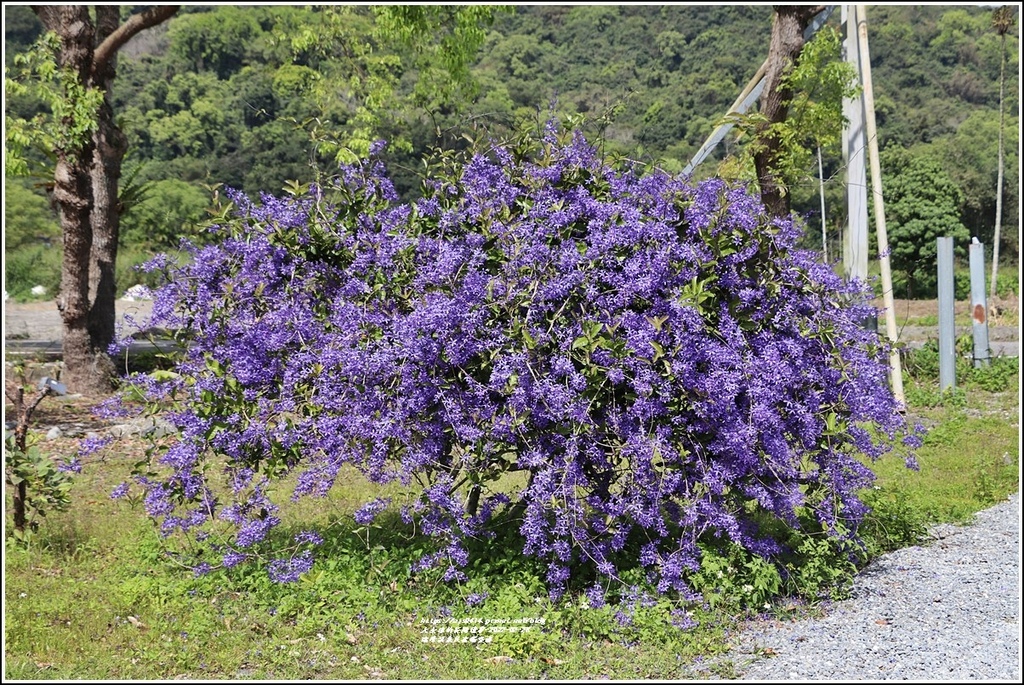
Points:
(855, 243)
(896, 372)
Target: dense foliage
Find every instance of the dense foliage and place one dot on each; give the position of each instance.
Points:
(656, 358)
(922, 203)
(228, 95)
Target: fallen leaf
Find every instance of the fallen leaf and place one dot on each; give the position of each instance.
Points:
(137, 623)
(552, 662)
(882, 622)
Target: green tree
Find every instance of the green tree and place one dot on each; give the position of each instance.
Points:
(168, 210)
(817, 85)
(28, 217)
(219, 41)
(922, 204)
(967, 156)
(356, 84)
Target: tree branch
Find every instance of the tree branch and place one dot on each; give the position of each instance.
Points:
(137, 23)
(806, 12)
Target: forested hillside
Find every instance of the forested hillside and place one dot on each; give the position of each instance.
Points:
(225, 96)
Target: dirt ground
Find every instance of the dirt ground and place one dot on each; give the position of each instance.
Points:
(41, 320)
(916, 309)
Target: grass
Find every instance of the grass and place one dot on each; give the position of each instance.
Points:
(94, 597)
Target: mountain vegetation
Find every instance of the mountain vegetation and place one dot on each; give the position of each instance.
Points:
(258, 97)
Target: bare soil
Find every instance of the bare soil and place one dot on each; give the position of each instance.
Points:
(41, 320)
(916, 320)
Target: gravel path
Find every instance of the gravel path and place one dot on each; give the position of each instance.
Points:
(947, 610)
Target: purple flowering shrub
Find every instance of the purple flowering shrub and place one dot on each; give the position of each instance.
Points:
(657, 357)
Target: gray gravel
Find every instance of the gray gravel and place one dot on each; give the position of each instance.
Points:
(949, 609)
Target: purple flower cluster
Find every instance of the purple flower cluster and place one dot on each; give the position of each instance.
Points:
(289, 570)
(92, 444)
(657, 356)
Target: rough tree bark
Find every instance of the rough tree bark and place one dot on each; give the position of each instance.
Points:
(787, 42)
(85, 188)
(111, 146)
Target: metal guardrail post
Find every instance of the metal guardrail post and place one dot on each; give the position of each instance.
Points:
(947, 307)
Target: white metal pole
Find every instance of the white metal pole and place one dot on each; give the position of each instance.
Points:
(896, 372)
(855, 241)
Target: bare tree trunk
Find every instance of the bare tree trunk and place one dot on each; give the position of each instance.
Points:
(72, 194)
(110, 148)
(786, 44)
(85, 188)
(999, 178)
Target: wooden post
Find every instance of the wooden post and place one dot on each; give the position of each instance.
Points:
(895, 368)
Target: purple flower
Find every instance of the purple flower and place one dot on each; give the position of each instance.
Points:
(120, 491)
(659, 357)
(368, 512)
(232, 558)
(683, 619)
(255, 530)
(93, 444)
(476, 599)
(595, 596)
(73, 465)
(309, 537)
(290, 570)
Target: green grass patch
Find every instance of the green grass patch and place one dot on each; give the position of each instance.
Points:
(94, 595)
(969, 461)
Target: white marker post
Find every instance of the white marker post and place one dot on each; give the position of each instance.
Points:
(979, 307)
